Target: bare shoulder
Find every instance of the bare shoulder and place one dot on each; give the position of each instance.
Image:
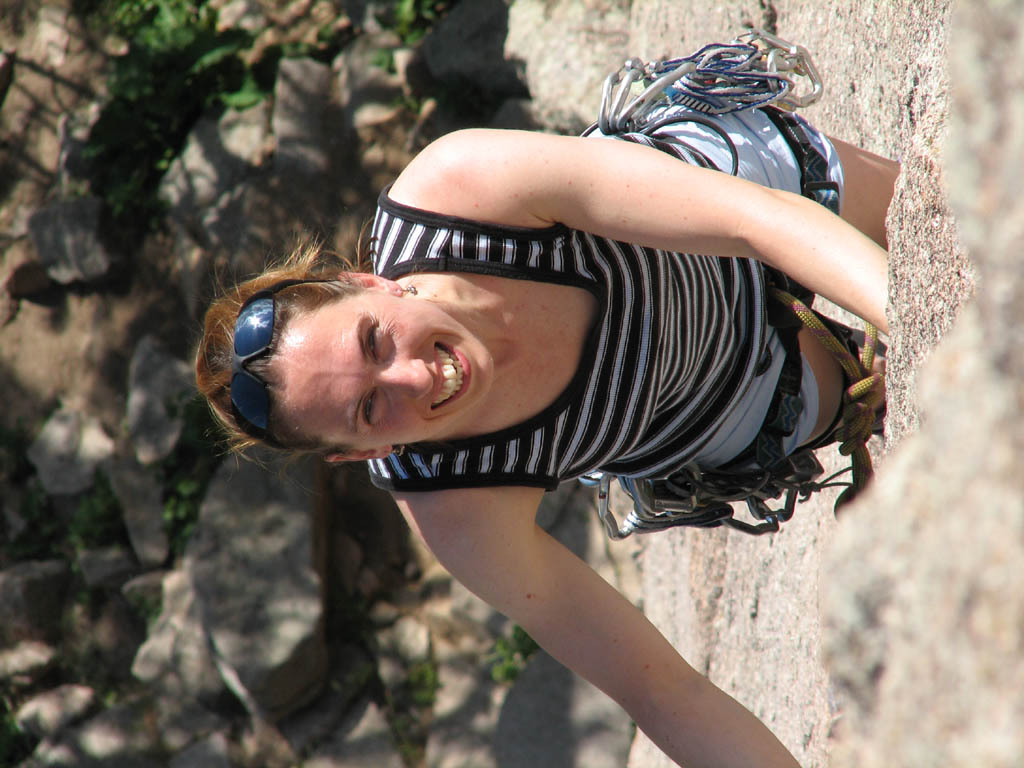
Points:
(482, 174)
(448, 519)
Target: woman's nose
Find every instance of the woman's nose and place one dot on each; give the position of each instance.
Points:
(409, 376)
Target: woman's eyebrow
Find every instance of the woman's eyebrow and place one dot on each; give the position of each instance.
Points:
(361, 336)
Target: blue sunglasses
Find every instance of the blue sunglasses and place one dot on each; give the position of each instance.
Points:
(254, 331)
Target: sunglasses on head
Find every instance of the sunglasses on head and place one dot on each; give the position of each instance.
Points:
(254, 331)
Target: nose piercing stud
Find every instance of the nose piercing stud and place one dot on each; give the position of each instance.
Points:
(411, 289)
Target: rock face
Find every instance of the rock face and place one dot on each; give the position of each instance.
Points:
(567, 49)
(65, 237)
(926, 610)
(250, 563)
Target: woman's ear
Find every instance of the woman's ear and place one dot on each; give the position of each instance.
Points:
(376, 453)
(369, 281)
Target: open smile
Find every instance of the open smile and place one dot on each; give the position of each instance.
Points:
(454, 375)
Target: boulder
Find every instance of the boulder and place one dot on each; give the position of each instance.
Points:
(211, 752)
(206, 188)
(465, 50)
(250, 563)
(926, 604)
(117, 736)
(140, 494)
(365, 90)
(25, 660)
(553, 717)
(158, 387)
(301, 98)
(466, 713)
(105, 566)
(363, 741)
(66, 235)
(67, 451)
(46, 714)
(176, 657)
(32, 599)
(567, 49)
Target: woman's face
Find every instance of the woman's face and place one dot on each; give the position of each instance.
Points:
(379, 369)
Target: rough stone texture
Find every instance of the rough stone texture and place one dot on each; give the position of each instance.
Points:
(158, 387)
(301, 98)
(139, 492)
(118, 736)
(66, 236)
(68, 450)
(364, 741)
(927, 609)
(465, 50)
(316, 725)
(27, 659)
(567, 49)
(553, 717)
(465, 715)
(211, 752)
(31, 599)
(250, 562)
(105, 566)
(176, 656)
(46, 714)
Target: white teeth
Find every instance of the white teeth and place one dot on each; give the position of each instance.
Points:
(451, 369)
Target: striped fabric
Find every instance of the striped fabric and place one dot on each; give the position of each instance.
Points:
(676, 343)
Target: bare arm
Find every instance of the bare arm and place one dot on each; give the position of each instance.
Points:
(640, 195)
(487, 538)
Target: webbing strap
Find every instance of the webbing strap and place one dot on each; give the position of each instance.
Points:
(862, 399)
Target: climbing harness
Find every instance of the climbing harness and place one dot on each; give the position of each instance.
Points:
(756, 70)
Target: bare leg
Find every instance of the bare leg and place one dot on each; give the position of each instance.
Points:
(829, 378)
(869, 185)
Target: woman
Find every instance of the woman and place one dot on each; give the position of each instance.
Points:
(546, 306)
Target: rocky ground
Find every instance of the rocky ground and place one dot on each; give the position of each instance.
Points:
(299, 624)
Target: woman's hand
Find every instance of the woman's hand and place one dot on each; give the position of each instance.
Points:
(637, 194)
(488, 540)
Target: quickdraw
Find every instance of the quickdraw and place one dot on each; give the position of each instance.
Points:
(754, 70)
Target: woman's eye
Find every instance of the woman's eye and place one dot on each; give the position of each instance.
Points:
(368, 408)
(371, 341)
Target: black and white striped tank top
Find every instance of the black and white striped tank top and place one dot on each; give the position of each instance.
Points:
(676, 343)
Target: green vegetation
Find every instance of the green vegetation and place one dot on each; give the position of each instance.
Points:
(42, 535)
(99, 520)
(510, 655)
(15, 744)
(177, 67)
(187, 472)
(414, 18)
(423, 683)
(409, 707)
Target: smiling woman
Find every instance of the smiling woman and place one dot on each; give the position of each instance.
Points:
(544, 307)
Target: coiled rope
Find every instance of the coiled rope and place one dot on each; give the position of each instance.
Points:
(862, 399)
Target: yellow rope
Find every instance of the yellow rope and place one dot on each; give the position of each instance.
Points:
(862, 400)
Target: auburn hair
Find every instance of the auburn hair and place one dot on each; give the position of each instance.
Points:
(215, 351)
